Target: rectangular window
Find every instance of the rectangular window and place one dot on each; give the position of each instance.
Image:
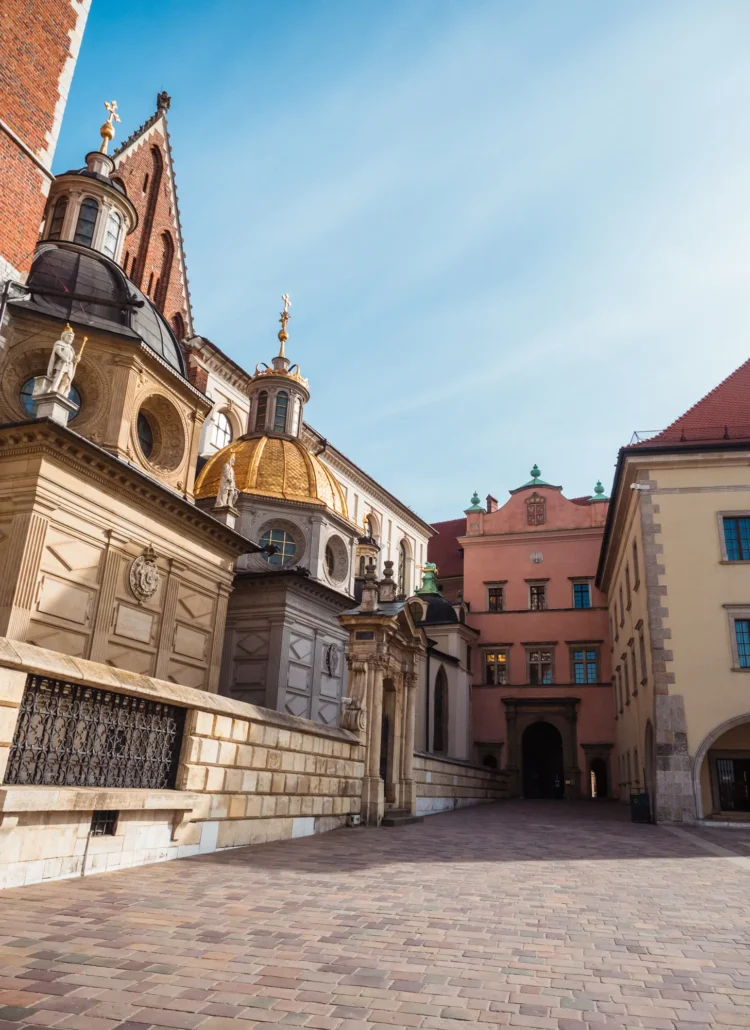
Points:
(737, 538)
(642, 650)
(539, 666)
(633, 672)
(626, 674)
(742, 631)
(496, 668)
(622, 609)
(636, 771)
(537, 597)
(618, 680)
(636, 568)
(495, 599)
(581, 595)
(627, 586)
(585, 661)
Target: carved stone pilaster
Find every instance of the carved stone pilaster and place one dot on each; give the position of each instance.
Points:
(113, 559)
(168, 613)
(21, 573)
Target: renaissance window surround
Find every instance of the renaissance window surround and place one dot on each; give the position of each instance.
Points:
(496, 597)
(496, 667)
(582, 593)
(584, 663)
(735, 536)
(537, 596)
(539, 664)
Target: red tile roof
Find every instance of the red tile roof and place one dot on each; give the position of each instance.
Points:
(723, 414)
(443, 549)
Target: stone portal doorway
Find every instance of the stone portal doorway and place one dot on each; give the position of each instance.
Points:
(543, 765)
(598, 776)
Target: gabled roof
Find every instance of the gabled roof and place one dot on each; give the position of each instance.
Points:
(723, 414)
(443, 549)
(163, 102)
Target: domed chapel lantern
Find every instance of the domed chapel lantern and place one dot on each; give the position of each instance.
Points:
(278, 393)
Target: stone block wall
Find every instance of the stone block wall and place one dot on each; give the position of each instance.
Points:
(246, 775)
(443, 784)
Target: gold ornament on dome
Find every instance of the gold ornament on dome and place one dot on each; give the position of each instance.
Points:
(281, 366)
(270, 466)
(107, 131)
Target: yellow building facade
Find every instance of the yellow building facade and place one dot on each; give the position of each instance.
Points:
(675, 565)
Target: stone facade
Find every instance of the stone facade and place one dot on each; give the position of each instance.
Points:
(246, 775)
(442, 784)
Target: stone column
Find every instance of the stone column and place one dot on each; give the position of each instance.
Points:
(168, 611)
(113, 559)
(373, 797)
(393, 788)
(408, 788)
(28, 531)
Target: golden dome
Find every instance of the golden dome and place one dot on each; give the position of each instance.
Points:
(271, 466)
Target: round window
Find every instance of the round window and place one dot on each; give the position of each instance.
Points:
(145, 435)
(26, 397)
(286, 548)
(330, 560)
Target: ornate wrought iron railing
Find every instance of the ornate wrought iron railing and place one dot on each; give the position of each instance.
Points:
(70, 735)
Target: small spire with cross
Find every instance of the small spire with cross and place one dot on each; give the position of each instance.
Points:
(284, 319)
(107, 131)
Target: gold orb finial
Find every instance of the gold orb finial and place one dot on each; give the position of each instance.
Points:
(284, 319)
(107, 131)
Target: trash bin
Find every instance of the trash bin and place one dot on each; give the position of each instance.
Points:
(640, 807)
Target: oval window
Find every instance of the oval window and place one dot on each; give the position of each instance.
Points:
(145, 435)
(26, 397)
(330, 560)
(286, 548)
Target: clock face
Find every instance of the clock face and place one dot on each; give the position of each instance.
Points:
(536, 557)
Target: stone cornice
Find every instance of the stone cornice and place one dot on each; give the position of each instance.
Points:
(95, 464)
(533, 536)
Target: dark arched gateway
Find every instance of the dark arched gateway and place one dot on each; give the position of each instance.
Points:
(543, 771)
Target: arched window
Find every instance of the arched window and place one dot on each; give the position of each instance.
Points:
(370, 527)
(178, 324)
(152, 186)
(112, 236)
(362, 564)
(282, 403)
(221, 433)
(295, 416)
(402, 559)
(167, 256)
(86, 222)
(58, 217)
(260, 414)
(440, 724)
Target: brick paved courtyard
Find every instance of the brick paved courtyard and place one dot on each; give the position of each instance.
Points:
(517, 914)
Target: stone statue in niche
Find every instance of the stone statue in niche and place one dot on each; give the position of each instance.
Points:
(63, 362)
(144, 576)
(228, 492)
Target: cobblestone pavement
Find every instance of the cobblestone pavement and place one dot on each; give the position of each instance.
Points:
(522, 914)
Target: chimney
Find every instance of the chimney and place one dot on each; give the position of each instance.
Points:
(491, 504)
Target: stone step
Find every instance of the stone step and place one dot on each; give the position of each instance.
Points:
(400, 818)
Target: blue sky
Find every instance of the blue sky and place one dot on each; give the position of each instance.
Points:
(513, 232)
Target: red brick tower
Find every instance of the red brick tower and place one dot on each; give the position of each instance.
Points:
(154, 257)
(41, 40)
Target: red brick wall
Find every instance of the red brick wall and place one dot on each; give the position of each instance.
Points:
(36, 44)
(144, 257)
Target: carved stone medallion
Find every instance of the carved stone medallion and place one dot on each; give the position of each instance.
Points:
(331, 658)
(537, 557)
(144, 576)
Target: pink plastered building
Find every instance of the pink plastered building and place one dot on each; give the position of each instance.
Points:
(542, 703)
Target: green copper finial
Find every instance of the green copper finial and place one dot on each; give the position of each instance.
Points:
(598, 489)
(599, 494)
(475, 504)
(535, 473)
(429, 580)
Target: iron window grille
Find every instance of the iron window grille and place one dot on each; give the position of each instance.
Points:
(70, 735)
(104, 824)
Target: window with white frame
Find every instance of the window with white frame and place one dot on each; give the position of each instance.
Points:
(496, 667)
(539, 665)
(112, 234)
(221, 431)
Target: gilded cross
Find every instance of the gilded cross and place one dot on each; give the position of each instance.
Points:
(287, 302)
(111, 108)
